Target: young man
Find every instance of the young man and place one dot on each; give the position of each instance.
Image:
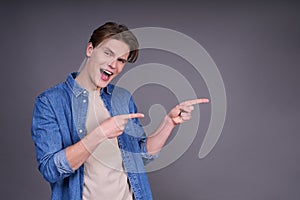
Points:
(89, 142)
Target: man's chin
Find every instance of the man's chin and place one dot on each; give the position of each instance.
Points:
(104, 83)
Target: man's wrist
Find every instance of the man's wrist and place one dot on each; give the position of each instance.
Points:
(169, 121)
(93, 139)
(100, 134)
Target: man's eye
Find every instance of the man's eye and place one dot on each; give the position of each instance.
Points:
(107, 53)
(121, 60)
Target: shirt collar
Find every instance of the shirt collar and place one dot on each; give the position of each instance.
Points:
(73, 85)
(77, 89)
(108, 89)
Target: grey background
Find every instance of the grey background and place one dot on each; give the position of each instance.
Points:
(255, 45)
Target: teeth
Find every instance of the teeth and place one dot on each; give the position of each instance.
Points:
(107, 72)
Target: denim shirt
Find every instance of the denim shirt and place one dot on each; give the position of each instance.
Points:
(59, 119)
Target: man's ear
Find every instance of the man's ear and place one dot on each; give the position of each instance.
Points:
(89, 49)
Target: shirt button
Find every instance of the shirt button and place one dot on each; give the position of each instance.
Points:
(84, 101)
(80, 130)
(84, 91)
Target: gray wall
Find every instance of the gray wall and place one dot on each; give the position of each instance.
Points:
(256, 47)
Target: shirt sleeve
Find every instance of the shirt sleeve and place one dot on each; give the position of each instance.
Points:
(51, 155)
(142, 139)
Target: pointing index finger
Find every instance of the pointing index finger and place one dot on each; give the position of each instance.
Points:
(134, 115)
(195, 101)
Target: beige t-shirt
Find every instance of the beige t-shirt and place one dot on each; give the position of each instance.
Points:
(104, 175)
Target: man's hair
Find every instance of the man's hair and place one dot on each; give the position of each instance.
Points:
(119, 32)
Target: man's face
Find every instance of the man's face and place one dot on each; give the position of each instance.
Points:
(106, 61)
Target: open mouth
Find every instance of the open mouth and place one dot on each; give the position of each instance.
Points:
(105, 74)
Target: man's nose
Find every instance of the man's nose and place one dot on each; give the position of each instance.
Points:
(113, 64)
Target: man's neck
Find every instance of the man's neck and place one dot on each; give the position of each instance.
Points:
(83, 81)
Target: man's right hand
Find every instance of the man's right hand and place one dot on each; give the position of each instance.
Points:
(114, 126)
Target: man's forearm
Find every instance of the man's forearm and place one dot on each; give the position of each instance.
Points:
(157, 140)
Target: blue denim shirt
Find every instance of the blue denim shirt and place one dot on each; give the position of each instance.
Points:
(59, 119)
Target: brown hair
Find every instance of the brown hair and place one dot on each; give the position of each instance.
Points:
(118, 32)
